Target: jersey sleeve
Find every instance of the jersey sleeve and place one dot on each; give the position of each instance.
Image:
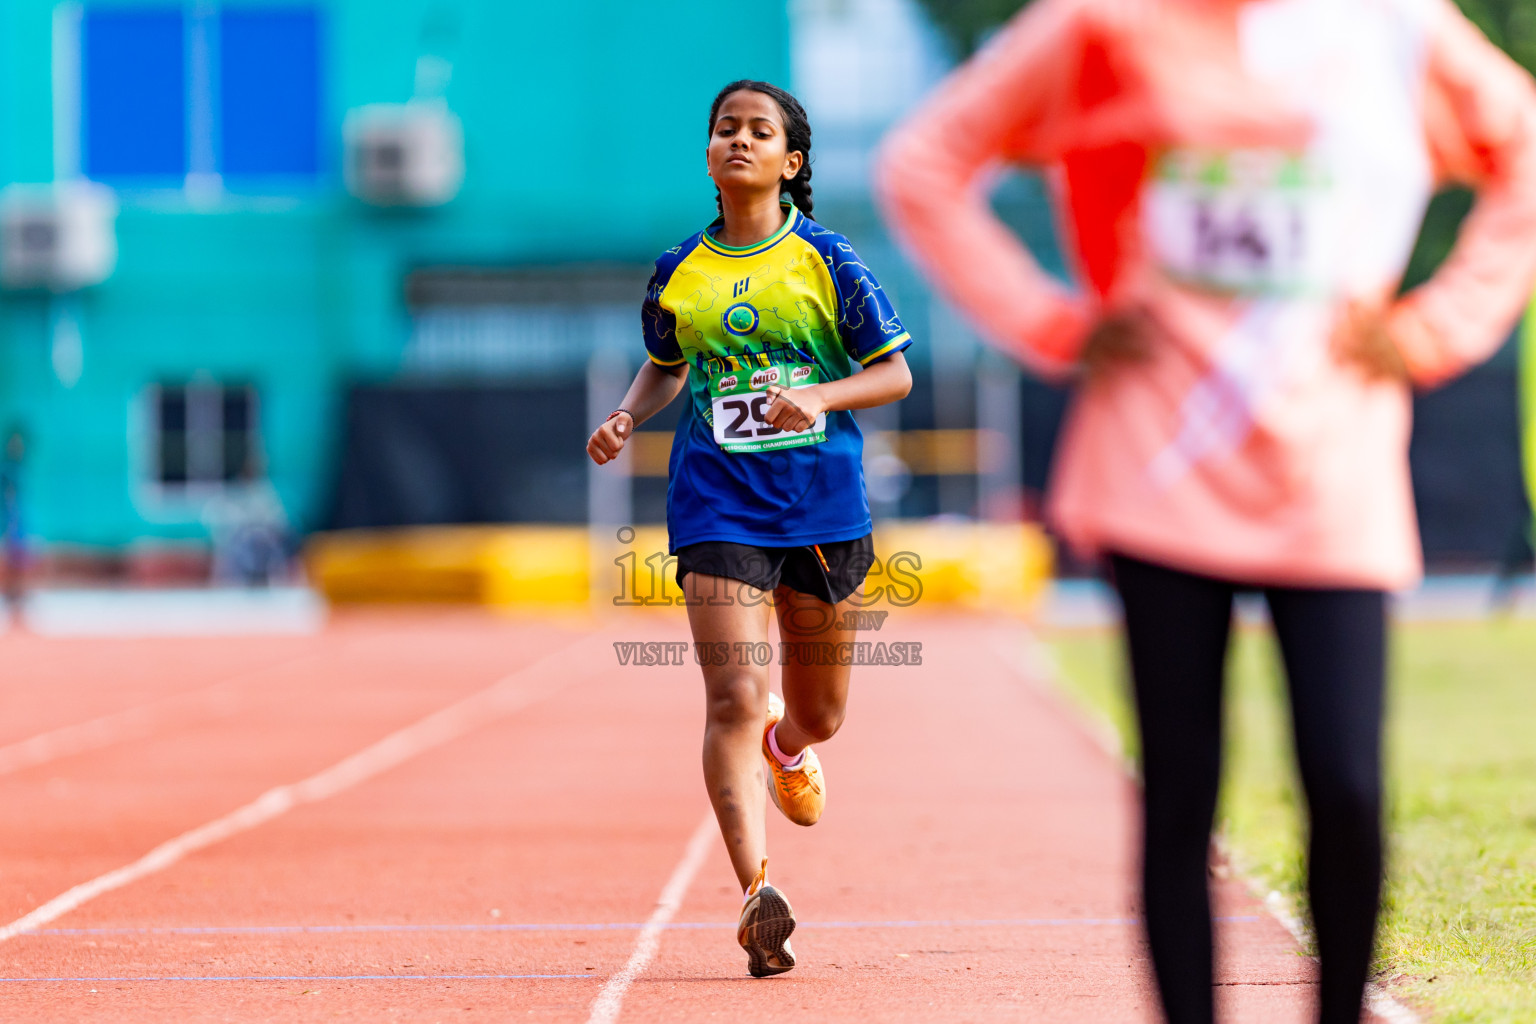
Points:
(660, 328)
(659, 324)
(866, 321)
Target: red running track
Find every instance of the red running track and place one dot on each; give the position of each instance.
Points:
(498, 862)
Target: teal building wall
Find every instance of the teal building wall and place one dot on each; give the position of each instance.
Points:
(584, 125)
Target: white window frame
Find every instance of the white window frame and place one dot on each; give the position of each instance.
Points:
(204, 429)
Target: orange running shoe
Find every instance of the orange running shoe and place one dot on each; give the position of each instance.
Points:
(800, 792)
(766, 922)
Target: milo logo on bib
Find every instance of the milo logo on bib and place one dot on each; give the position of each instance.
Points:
(740, 409)
(1249, 222)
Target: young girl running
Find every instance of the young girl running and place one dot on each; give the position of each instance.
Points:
(761, 315)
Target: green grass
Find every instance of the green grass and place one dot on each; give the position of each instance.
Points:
(1458, 930)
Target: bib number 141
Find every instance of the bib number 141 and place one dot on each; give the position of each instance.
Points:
(1250, 222)
(739, 402)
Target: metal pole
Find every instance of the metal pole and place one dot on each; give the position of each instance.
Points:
(953, 351)
(999, 441)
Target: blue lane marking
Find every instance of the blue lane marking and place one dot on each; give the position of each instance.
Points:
(322, 929)
(322, 977)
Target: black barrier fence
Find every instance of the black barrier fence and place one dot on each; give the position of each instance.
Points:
(432, 454)
(1467, 476)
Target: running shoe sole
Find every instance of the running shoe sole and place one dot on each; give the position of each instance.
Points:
(764, 934)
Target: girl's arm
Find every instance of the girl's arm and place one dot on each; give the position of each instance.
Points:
(1480, 116)
(880, 383)
(1007, 104)
(654, 387)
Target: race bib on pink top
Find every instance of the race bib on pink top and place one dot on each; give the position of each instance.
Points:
(1243, 222)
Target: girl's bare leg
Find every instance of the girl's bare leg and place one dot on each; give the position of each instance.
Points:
(736, 706)
(815, 694)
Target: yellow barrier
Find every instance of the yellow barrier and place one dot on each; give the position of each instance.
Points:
(536, 566)
(982, 566)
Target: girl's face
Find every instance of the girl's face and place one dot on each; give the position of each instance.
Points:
(748, 150)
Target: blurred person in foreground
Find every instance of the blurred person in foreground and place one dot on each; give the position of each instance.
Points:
(1241, 184)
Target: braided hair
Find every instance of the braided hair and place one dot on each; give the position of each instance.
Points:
(797, 132)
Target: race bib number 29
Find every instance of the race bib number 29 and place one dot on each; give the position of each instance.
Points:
(739, 401)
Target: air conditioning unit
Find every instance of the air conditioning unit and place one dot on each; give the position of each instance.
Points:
(404, 154)
(60, 237)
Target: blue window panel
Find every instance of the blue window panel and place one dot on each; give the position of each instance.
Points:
(269, 78)
(133, 66)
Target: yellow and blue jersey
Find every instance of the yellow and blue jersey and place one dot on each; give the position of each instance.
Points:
(801, 298)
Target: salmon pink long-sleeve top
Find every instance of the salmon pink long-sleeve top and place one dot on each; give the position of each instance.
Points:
(1241, 172)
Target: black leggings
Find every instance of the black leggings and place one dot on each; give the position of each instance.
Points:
(1334, 646)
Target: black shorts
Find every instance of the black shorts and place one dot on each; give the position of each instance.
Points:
(829, 572)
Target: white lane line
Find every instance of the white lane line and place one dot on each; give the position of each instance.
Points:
(1387, 1008)
(605, 1008)
(217, 700)
(509, 694)
(1376, 998)
(1036, 665)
